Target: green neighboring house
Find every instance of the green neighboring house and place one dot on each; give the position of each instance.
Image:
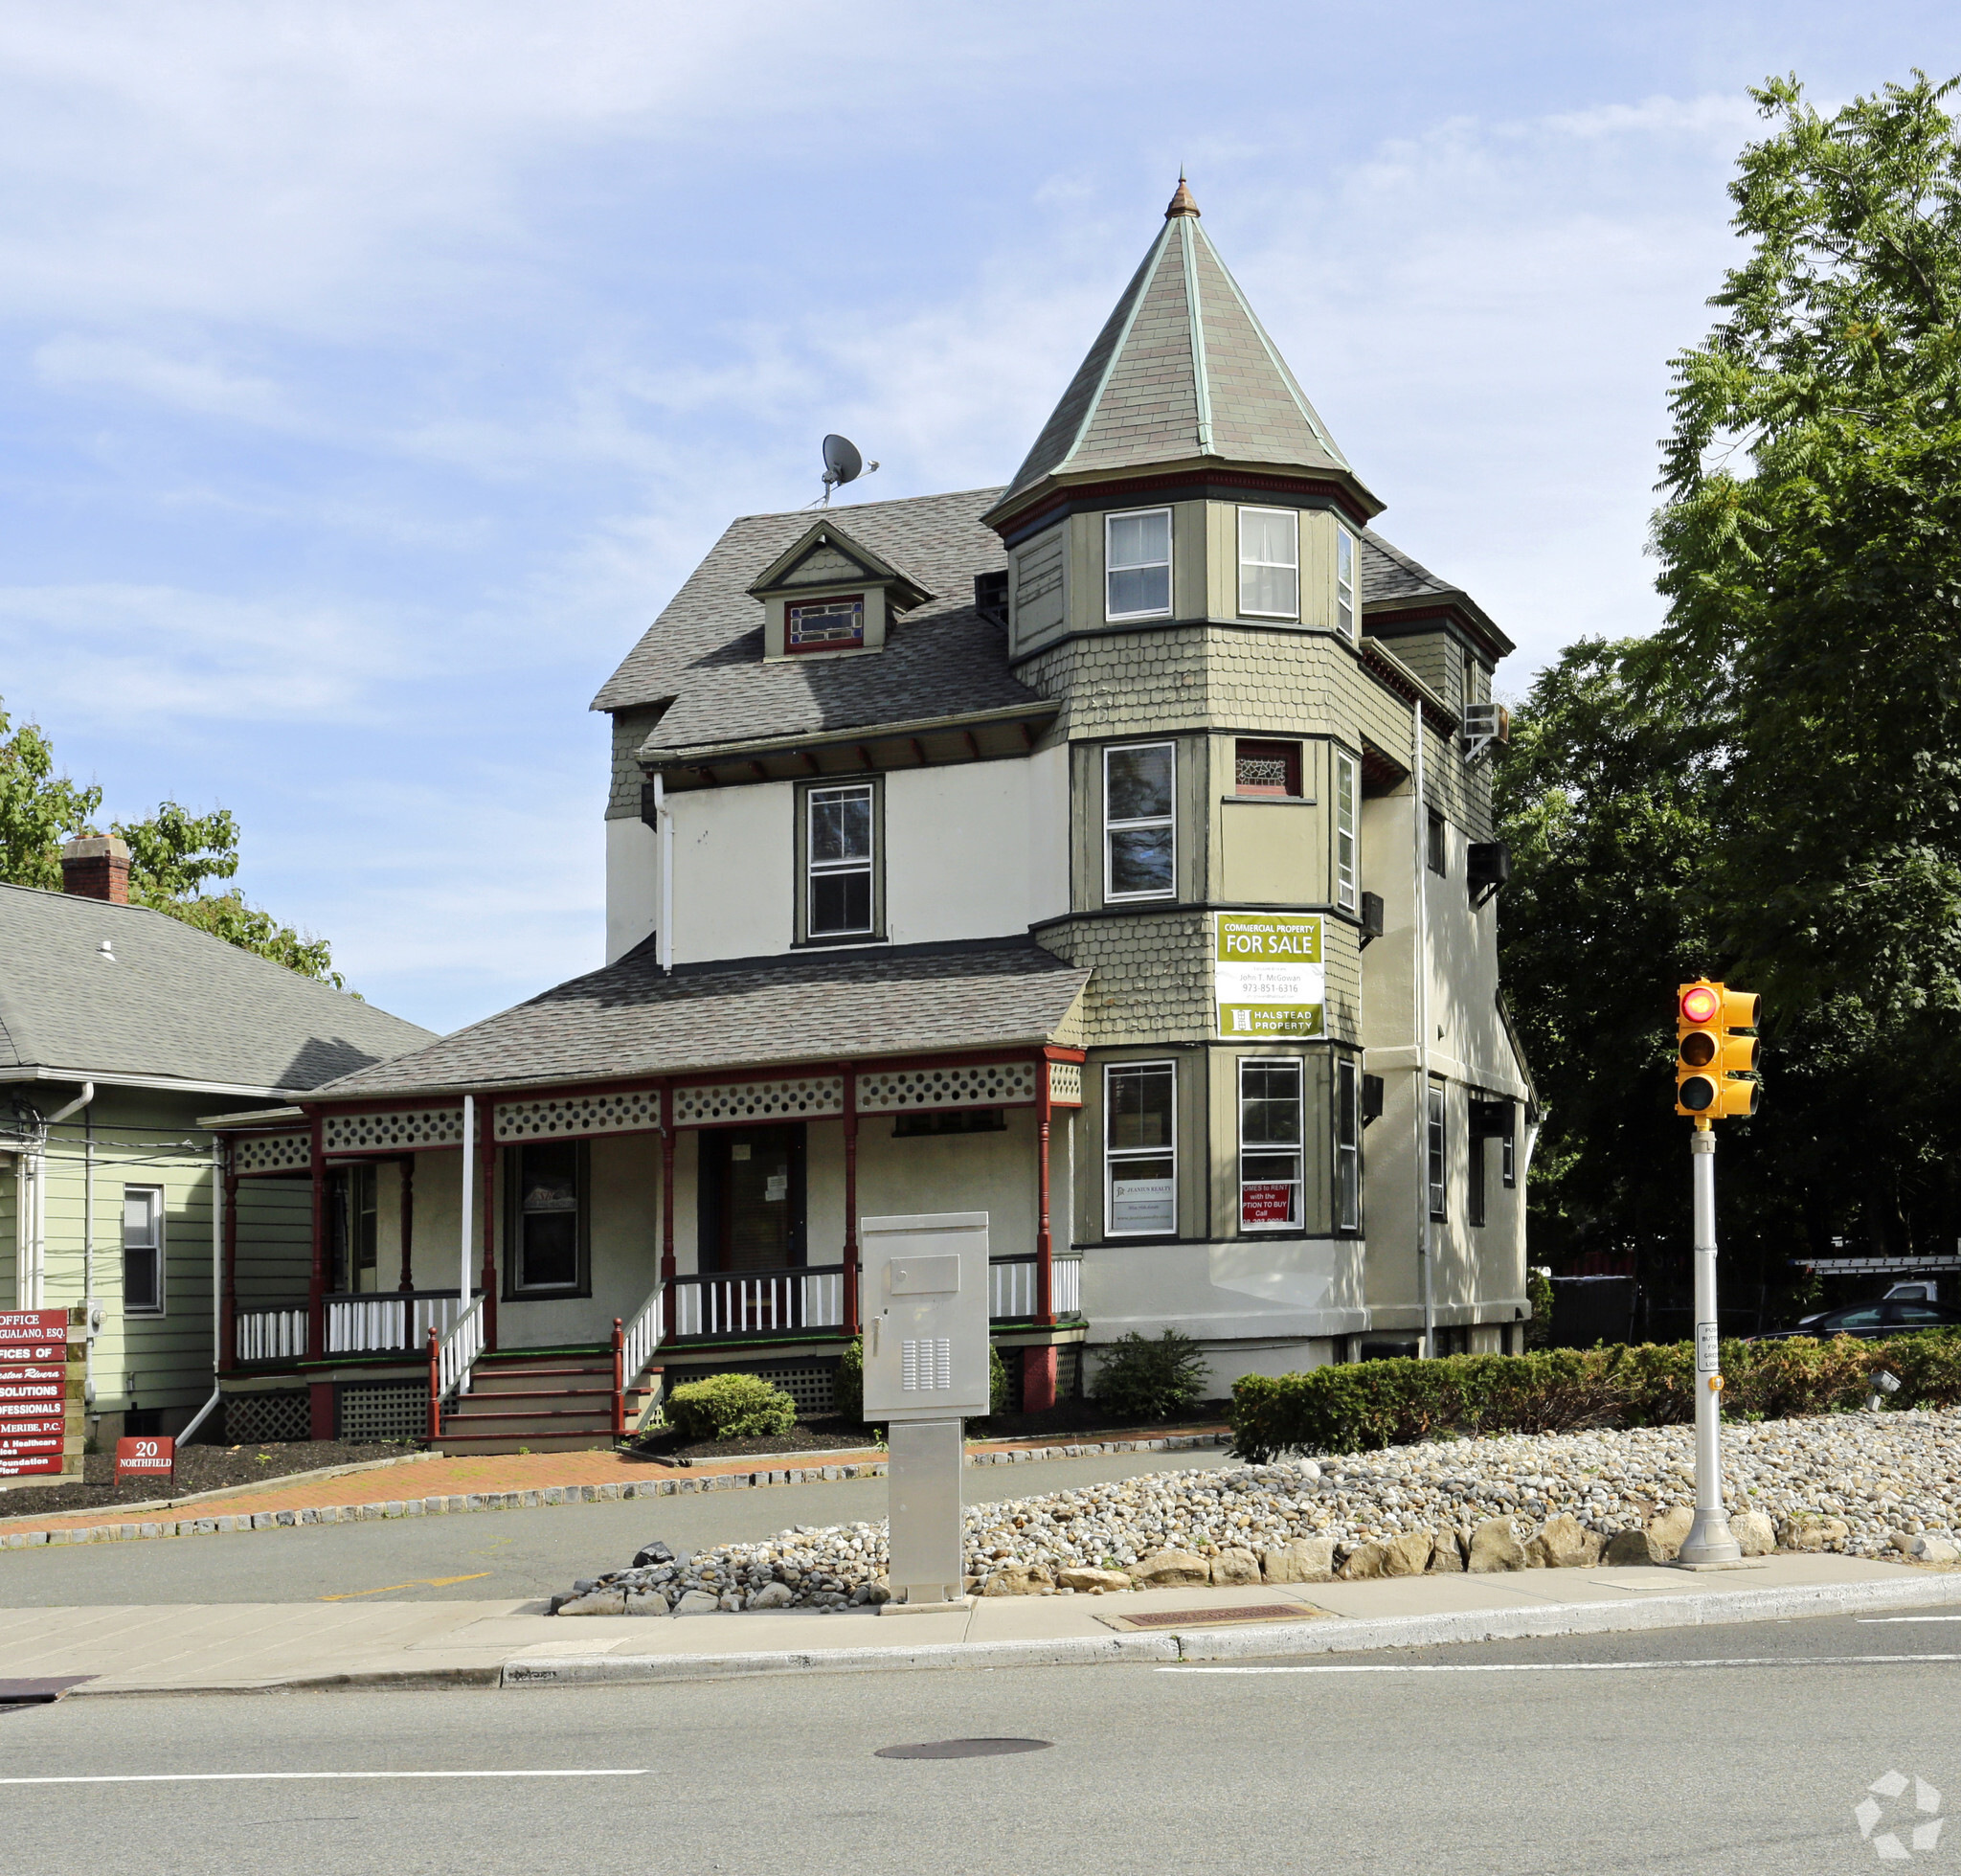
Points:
(120, 1027)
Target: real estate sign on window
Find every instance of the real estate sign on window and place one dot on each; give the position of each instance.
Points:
(1270, 983)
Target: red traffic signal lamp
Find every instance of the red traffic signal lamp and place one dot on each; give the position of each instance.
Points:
(1710, 1054)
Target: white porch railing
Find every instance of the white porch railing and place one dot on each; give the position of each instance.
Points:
(271, 1335)
(759, 1302)
(1011, 1287)
(382, 1324)
(641, 1336)
(1067, 1286)
(455, 1355)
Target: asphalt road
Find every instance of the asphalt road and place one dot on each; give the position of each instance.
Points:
(489, 1554)
(1511, 1760)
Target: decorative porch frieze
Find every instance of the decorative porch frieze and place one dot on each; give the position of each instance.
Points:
(578, 1117)
(1066, 1084)
(401, 1132)
(986, 1084)
(273, 1153)
(806, 1098)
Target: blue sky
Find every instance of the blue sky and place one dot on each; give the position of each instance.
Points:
(370, 374)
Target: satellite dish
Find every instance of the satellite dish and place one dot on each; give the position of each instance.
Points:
(841, 464)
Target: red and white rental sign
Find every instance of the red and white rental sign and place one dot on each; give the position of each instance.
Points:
(145, 1456)
(34, 1389)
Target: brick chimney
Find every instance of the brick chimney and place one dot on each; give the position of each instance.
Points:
(97, 867)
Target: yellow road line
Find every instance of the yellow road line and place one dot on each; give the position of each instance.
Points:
(417, 1582)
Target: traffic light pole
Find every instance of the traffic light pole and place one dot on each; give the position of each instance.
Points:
(1710, 1540)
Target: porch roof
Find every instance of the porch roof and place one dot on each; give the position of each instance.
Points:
(631, 1018)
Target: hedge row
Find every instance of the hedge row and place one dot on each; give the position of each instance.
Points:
(1352, 1407)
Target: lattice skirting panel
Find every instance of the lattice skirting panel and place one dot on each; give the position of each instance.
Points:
(814, 1389)
(260, 1419)
(990, 1084)
(380, 1133)
(384, 1410)
(1069, 1371)
(273, 1153)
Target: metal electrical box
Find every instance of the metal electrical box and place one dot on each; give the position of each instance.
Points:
(925, 1310)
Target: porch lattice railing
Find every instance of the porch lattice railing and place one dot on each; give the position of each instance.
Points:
(1011, 1287)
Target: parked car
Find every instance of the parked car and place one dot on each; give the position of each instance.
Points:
(1883, 1316)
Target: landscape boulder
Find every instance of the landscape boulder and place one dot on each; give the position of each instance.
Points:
(1667, 1531)
(1019, 1580)
(1171, 1570)
(1756, 1536)
(1812, 1534)
(1447, 1553)
(646, 1602)
(1300, 1560)
(772, 1596)
(1630, 1547)
(1233, 1568)
(1562, 1544)
(1364, 1561)
(1495, 1545)
(595, 1602)
(696, 1602)
(1094, 1582)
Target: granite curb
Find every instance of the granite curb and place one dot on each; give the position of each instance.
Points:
(451, 1503)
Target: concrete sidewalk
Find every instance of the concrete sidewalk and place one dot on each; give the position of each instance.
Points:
(238, 1648)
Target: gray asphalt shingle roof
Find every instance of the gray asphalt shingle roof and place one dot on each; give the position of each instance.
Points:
(630, 1019)
(1392, 578)
(940, 659)
(172, 1002)
(1182, 369)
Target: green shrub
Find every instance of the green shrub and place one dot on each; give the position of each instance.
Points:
(849, 1389)
(1353, 1407)
(1148, 1379)
(730, 1406)
(1538, 1294)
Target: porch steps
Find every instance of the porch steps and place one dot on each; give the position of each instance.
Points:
(548, 1401)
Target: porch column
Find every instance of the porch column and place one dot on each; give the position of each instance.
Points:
(316, 1287)
(407, 1166)
(487, 1152)
(668, 1271)
(850, 1198)
(1045, 1260)
(229, 1250)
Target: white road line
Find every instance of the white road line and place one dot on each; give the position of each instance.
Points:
(1570, 1668)
(208, 1778)
(1906, 1618)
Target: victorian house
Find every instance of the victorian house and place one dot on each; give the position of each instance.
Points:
(1109, 851)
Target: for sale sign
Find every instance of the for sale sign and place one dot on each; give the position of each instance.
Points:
(1269, 978)
(146, 1456)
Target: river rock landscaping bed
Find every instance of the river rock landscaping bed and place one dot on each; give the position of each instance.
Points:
(1863, 1485)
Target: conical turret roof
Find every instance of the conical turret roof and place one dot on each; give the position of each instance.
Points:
(1182, 368)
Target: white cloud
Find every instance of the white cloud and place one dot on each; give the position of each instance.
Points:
(193, 384)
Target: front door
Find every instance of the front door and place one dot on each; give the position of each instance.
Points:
(756, 1176)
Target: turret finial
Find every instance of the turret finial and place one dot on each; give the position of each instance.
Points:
(1182, 203)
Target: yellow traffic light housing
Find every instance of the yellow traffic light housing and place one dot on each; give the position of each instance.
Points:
(1710, 1057)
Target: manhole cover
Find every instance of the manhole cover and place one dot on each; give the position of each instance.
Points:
(963, 1749)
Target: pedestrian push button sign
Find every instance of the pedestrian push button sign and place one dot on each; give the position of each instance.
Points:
(1269, 978)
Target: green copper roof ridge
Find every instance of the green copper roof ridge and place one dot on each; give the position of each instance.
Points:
(1147, 275)
(1202, 389)
(1279, 364)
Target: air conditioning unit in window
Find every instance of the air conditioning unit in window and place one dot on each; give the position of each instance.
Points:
(1488, 865)
(1484, 724)
(1371, 917)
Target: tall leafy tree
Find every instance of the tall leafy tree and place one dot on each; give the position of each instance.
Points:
(174, 855)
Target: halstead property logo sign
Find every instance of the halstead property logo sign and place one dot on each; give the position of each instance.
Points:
(1270, 983)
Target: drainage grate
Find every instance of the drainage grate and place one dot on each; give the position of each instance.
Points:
(963, 1749)
(1206, 1618)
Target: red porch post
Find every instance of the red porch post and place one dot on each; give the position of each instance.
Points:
(487, 1151)
(619, 1380)
(229, 1243)
(850, 1198)
(668, 1268)
(407, 1164)
(1045, 1260)
(316, 1285)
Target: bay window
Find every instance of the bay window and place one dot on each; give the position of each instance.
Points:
(1344, 581)
(1346, 779)
(1136, 563)
(1269, 563)
(1348, 1146)
(1270, 1142)
(1139, 1148)
(1140, 839)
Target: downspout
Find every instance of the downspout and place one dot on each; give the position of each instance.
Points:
(462, 1294)
(663, 825)
(217, 1287)
(1420, 951)
(37, 1296)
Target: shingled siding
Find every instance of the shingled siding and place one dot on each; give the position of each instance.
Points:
(1153, 978)
(630, 729)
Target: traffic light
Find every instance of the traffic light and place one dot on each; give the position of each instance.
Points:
(1709, 1053)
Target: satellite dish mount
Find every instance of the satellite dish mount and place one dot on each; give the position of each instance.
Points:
(841, 464)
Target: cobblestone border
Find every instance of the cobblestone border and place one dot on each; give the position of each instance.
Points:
(454, 1502)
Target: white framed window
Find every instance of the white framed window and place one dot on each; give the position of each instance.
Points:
(1269, 563)
(1270, 1142)
(1137, 564)
(548, 1251)
(838, 901)
(1347, 1145)
(1139, 830)
(1435, 1155)
(142, 1249)
(1344, 580)
(1348, 785)
(1140, 1149)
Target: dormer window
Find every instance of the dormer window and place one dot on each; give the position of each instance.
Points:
(824, 624)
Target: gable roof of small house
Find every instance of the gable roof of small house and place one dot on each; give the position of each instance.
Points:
(632, 1018)
(169, 1003)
